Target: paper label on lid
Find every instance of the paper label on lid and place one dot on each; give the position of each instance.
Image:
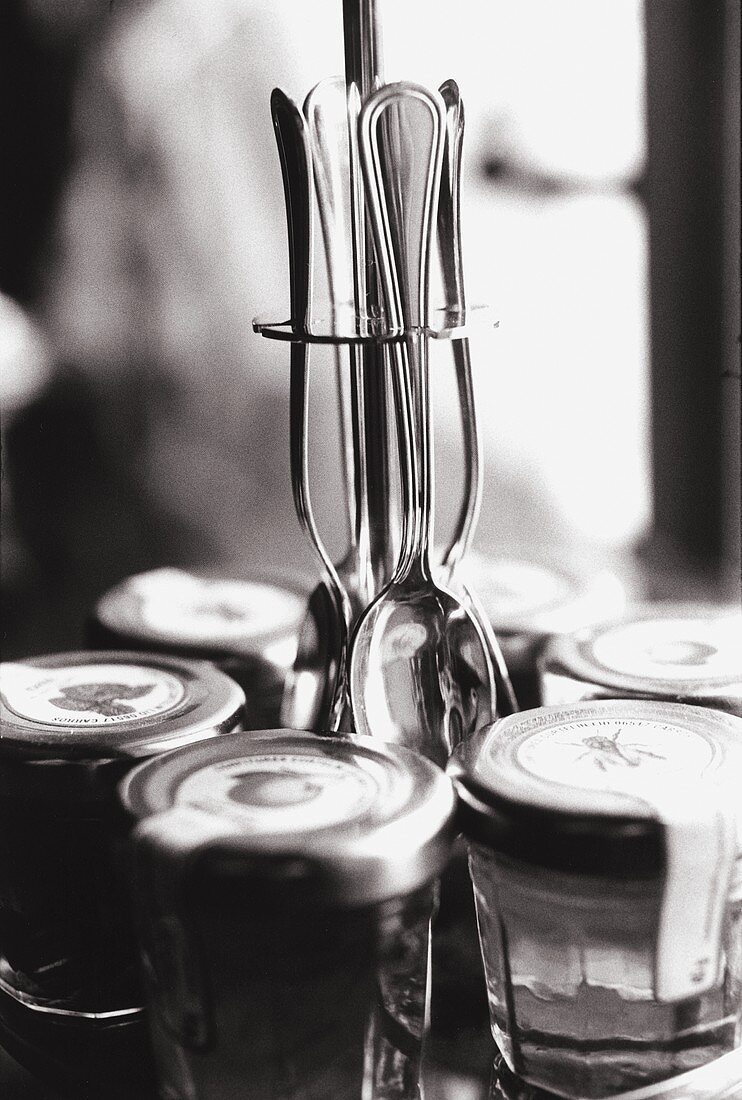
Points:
(282, 792)
(673, 773)
(611, 754)
(196, 610)
(678, 649)
(90, 695)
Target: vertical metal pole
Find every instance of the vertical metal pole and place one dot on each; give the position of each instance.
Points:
(364, 69)
(364, 60)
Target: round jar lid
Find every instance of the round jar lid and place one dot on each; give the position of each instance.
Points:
(94, 705)
(528, 600)
(579, 787)
(686, 652)
(370, 821)
(203, 614)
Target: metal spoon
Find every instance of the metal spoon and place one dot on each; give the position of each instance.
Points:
(452, 270)
(315, 693)
(326, 110)
(420, 672)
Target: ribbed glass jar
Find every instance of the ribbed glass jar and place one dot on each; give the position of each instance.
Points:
(284, 885)
(604, 854)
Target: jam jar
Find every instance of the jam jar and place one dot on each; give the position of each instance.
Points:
(604, 845)
(248, 627)
(529, 601)
(284, 884)
(70, 726)
(691, 653)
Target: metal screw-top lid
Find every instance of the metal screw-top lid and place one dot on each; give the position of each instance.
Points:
(364, 821)
(93, 705)
(685, 652)
(620, 788)
(200, 614)
(528, 600)
(572, 786)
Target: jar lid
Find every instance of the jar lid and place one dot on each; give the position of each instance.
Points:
(686, 652)
(365, 820)
(203, 614)
(588, 769)
(528, 600)
(94, 705)
(620, 788)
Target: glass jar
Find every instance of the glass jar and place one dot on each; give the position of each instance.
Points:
(604, 857)
(689, 653)
(284, 885)
(248, 627)
(529, 601)
(71, 725)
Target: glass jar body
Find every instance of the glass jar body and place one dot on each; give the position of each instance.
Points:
(66, 942)
(253, 992)
(569, 962)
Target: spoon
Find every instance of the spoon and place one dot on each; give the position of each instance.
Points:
(452, 270)
(315, 693)
(326, 109)
(420, 672)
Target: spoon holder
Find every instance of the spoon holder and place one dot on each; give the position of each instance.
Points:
(446, 324)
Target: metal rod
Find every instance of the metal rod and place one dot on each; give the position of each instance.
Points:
(363, 47)
(364, 71)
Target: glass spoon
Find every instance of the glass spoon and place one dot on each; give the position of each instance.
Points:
(420, 671)
(316, 691)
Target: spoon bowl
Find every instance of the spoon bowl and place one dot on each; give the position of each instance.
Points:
(419, 672)
(308, 696)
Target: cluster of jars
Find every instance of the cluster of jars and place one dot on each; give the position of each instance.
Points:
(195, 905)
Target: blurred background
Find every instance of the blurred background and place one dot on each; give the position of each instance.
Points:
(142, 228)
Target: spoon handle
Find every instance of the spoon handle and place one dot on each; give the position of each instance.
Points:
(296, 171)
(326, 113)
(330, 180)
(452, 269)
(296, 168)
(331, 119)
(401, 138)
